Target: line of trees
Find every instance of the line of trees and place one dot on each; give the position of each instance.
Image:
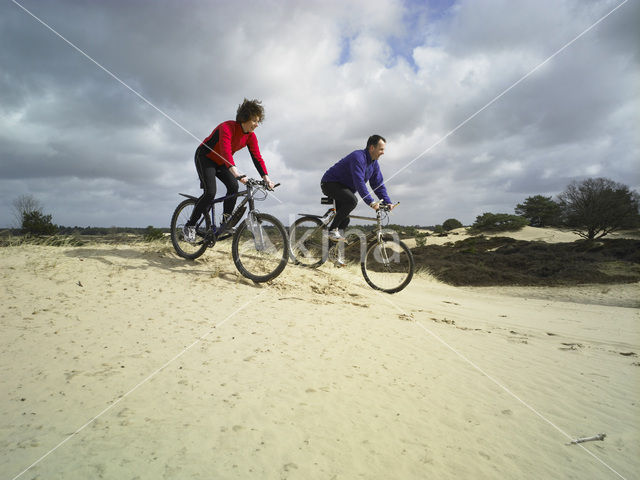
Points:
(29, 216)
(592, 208)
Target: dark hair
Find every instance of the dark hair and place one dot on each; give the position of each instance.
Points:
(373, 141)
(249, 109)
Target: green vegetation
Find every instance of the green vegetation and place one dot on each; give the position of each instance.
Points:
(540, 211)
(36, 227)
(483, 261)
(28, 214)
(497, 222)
(152, 234)
(74, 236)
(421, 239)
(451, 224)
(36, 223)
(598, 206)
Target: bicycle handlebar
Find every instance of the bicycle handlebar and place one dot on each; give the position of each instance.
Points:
(386, 207)
(254, 182)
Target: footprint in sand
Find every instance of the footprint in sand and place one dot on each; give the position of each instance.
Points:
(289, 466)
(517, 337)
(443, 320)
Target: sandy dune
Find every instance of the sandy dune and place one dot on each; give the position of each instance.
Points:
(125, 362)
(528, 234)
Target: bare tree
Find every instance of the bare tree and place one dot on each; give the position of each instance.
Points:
(31, 220)
(24, 205)
(598, 206)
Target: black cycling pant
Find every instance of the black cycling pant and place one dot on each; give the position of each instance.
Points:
(345, 199)
(208, 171)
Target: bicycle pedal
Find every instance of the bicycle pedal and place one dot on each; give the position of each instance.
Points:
(209, 238)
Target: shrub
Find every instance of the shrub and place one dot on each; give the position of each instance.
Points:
(451, 224)
(421, 239)
(28, 213)
(598, 206)
(410, 231)
(35, 223)
(540, 211)
(152, 234)
(498, 222)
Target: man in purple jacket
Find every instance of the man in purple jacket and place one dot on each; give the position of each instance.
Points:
(350, 175)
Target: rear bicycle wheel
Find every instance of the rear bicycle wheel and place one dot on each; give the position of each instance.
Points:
(182, 214)
(260, 247)
(306, 243)
(388, 265)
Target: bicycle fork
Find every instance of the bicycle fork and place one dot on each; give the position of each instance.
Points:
(259, 237)
(382, 256)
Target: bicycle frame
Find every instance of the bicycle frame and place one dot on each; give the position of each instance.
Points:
(248, 194)
(330, 214)
(386, 261)
(376, 235)
(364, 241)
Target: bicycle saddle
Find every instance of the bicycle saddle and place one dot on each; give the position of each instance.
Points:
(326, 201)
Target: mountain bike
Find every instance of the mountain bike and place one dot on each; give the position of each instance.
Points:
(259, 244)
(386, 261)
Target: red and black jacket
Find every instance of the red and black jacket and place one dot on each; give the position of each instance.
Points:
(225, 140)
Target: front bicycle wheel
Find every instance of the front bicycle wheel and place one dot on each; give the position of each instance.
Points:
(306, 242)
(182, 214)
(388, 265)
(259, 247)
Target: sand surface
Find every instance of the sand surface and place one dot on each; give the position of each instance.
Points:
(527, 234)
(126, 362)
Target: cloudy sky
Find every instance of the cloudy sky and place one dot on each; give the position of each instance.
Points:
(113, 146)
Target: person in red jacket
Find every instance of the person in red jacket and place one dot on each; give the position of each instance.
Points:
(214, 159)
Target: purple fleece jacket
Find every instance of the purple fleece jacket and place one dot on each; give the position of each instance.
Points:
(354, 171)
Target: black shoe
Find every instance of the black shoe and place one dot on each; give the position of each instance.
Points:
(224, 230)
(225, 227)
